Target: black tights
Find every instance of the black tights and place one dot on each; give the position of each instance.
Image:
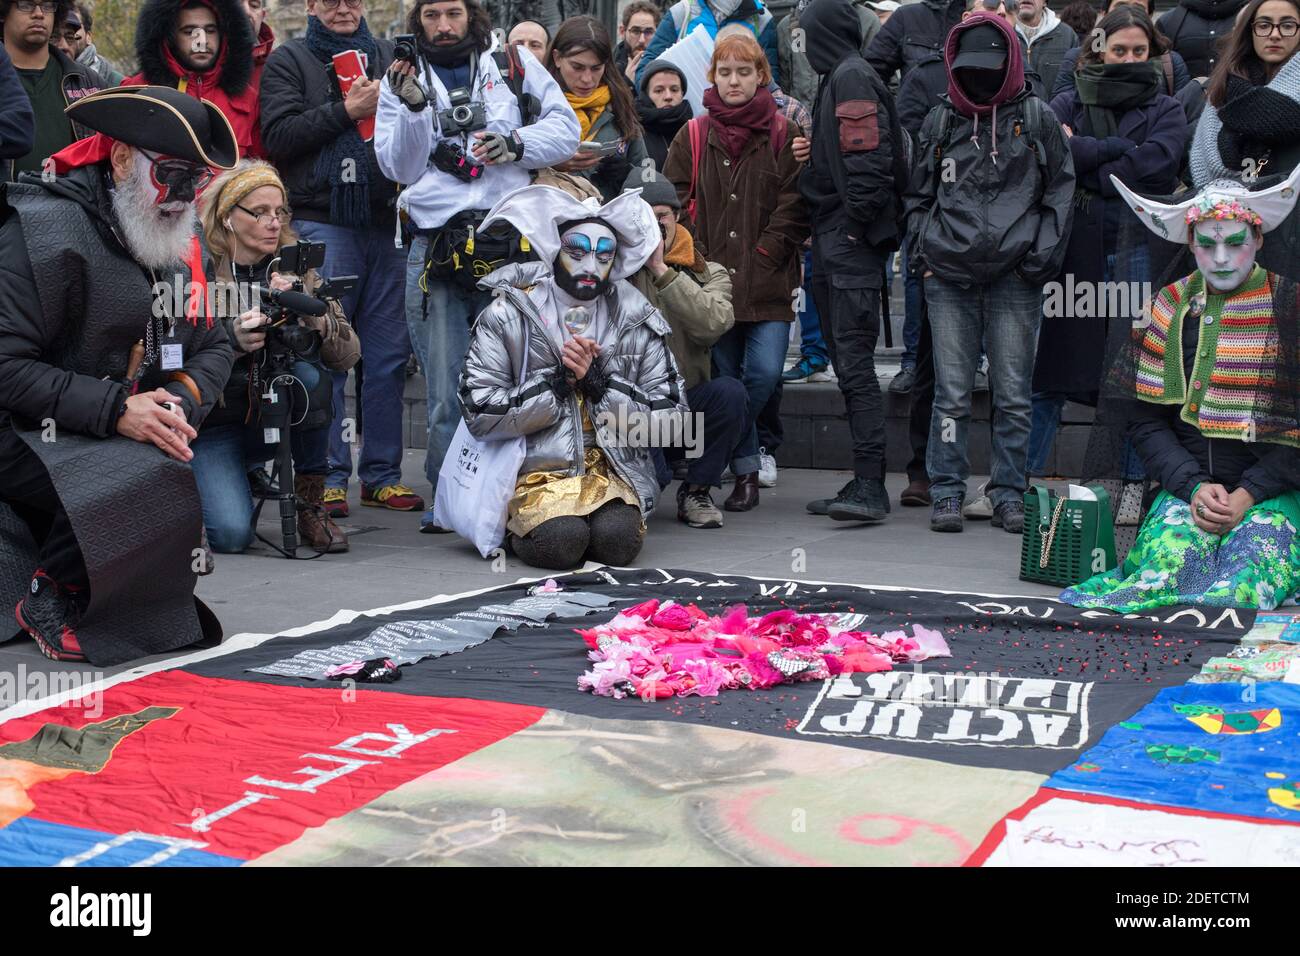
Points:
(610, 535)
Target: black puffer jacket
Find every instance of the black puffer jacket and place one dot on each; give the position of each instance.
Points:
(1195, 28)
(1179, 457)
(913, 33)
(302, 113)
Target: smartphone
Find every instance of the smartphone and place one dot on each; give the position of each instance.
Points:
(301, 257)
(600, 149)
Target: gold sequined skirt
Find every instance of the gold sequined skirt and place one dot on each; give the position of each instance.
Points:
(543, 495)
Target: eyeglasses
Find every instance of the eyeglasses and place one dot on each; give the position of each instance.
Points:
(28, 6)
(640, 31)
(334, 4)
(1264, 28)
(265, 219)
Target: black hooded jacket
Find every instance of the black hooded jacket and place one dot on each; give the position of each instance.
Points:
(73, 302)
(858, 169)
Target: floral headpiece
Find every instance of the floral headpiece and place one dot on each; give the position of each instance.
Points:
(1206, 208)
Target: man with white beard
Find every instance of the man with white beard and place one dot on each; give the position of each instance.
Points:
(109, 361)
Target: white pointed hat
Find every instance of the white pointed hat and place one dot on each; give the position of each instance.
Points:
(1221, 199)
(538, 211)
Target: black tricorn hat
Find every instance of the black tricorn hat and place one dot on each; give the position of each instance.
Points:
(161, 120)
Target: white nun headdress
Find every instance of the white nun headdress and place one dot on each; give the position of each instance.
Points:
(1221, 199)
(538, 211)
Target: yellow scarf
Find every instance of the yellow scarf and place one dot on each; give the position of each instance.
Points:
(589, 107)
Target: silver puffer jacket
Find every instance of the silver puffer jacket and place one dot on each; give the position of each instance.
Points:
(645, 392)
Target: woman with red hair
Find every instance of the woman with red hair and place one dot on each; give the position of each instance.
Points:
(735, 168)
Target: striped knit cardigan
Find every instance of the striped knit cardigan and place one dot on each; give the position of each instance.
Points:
(1236, 358)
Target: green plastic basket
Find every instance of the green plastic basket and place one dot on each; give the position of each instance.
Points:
(1066, 541)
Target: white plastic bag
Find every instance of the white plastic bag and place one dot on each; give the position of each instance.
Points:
(477, 481)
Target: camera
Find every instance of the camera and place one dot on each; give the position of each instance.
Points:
(462, 116)
(406, 48)
(450, 158)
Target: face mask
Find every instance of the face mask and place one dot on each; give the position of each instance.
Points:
(1224, 250)
(586, 258)
(980, 85)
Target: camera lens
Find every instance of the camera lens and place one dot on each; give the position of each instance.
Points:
(462, 115)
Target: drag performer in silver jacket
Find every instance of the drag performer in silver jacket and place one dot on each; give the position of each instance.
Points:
(573, 357)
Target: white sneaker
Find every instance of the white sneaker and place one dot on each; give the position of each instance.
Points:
(766, 469)
(979, 508)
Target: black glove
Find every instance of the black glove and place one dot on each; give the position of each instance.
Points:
(561, 384)
(595, 383)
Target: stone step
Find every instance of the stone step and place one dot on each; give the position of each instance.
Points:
(817, 430)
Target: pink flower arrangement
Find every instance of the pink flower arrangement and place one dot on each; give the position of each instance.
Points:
(655, 651)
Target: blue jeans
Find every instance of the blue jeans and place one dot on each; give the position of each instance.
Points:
(220, 465)
(374, 308)
(440, 335)
(1004, 315)
(812, 345)
(753, 352)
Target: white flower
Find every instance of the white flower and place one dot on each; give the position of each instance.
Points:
(1266, 594)
(1261, 517)
(1152, 580)
(1177, 517)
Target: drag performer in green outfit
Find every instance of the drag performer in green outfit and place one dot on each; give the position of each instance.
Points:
(1206, 391)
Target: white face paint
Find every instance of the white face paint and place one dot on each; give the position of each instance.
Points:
(586, 258)
(1225, 252)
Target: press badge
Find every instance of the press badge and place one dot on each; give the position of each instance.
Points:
(172, 357)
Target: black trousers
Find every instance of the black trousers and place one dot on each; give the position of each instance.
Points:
(918, 427)
(26, 487)
(722, 405)
(846, 287)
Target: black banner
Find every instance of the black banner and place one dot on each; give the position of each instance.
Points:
(1030, 685)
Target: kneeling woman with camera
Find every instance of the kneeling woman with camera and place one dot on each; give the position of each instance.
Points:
(245, 225)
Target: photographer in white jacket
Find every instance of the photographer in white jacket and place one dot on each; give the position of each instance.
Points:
(462, 124)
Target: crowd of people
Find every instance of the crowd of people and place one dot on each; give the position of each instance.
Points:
(575, 231)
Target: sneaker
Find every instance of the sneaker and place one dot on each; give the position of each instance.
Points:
(695, 507)
(916, 494)
(903, 381)
(806, 370)
(979, 508)
(48, 613)
(766, 469)
(336, 502)
(945, 514)
(429, 526)
(1010, 516)
(864, 499)
(392, 497)
(821, 505)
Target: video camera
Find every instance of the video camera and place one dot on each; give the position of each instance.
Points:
(285, 336)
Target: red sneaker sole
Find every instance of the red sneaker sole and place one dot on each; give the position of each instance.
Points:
(51, 652)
